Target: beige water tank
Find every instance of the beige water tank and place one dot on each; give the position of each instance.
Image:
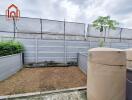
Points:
(129, 58)
(106, 78)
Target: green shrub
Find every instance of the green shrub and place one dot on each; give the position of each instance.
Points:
(10, 47)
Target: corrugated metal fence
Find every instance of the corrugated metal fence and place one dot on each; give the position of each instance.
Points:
(38, 50)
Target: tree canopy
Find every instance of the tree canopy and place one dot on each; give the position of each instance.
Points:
(105, 22)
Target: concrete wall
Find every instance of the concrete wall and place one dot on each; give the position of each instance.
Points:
(82, 62)
(53, 50)
(9, 65)
(38, 50)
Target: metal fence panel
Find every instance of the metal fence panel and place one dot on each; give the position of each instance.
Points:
(6, 25)
(28, 25)
(74, 28)
(126, 33)
(113, 33)
(36, 25)
(52, 26)
(6, 34)
(92, 31)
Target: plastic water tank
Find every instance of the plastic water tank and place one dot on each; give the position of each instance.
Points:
(106, 78)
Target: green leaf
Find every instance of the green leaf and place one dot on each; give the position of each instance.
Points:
(105, 22)
(10, 47)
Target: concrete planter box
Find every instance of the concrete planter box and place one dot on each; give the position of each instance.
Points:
(82, 62)
(9, 65)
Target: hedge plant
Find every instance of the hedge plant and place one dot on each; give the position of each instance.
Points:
(10, 47)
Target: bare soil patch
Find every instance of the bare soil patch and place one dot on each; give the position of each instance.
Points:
(42, 79)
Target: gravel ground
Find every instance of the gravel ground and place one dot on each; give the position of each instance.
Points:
(74, 95)
(42, 79)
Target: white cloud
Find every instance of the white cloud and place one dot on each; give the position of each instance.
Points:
(74, 10)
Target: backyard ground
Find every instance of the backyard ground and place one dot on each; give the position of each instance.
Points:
(43, 79)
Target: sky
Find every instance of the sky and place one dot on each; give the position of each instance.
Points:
(85, 11)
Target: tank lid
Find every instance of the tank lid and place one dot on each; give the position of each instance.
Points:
(107, 56)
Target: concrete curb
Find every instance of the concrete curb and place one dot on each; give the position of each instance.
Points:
(41, 93)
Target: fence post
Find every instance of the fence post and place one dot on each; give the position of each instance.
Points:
(78, 59)
(65, 58)
(41, 28)
(36, 51)
(106, 78)
(88, 29)
(120, 33)
(105, 34)
(85, 33)
(14, 24)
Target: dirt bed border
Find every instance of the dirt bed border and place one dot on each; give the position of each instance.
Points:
(41, 93)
